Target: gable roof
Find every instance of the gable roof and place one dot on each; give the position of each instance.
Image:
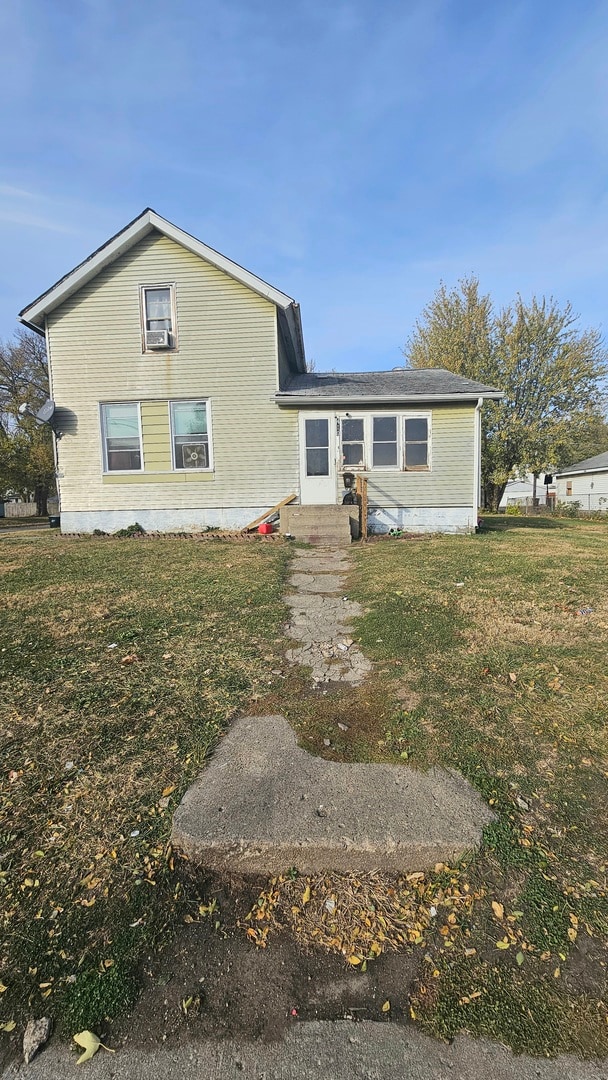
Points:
(404, 385)
(33, 316)
(599, 463)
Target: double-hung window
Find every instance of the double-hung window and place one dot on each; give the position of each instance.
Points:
(384, 442)
(190, 434)
(416, 442)
(121, 437)
(158, 317)
(352, 437)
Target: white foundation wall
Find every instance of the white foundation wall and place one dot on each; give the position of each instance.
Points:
(422, 519)
(176, 520)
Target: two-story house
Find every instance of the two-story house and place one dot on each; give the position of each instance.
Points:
(183, 401)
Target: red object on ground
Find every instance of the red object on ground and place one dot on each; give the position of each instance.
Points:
(265, 528)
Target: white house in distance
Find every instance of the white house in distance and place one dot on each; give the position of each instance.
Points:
(585, 483)
(520, 491)
(183, 400)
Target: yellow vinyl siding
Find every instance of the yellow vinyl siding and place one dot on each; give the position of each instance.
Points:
(449, 481)
(159, 478)
(227, 354)
(156, 436)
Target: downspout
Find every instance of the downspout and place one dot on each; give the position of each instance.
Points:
(55, 447)
(477, 462)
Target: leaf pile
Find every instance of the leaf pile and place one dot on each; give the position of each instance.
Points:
(365, 915)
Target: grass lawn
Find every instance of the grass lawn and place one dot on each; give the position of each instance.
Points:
(120, 663)
(490, 657)
(22, 523)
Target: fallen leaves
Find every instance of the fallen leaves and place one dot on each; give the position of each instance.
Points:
(362, 916)
(90, 1044)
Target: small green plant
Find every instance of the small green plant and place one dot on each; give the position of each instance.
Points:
(131, 530)
(514, 510)
(568, 509)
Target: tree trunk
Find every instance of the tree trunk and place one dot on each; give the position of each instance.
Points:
(492, 494)
(41, 495)
(534, 482)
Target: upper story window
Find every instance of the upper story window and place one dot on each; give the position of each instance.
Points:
(159, 323)
(190, 434)
(416, 455)
(121, 437)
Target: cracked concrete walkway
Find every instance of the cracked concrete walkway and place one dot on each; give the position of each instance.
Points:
(321, 616)
(263, 804)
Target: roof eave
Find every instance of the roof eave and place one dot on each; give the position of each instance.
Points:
(379, 399)
(34, 314)
(581, 472)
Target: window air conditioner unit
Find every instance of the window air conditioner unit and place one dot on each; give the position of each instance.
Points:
(157, 339)
(194, 456)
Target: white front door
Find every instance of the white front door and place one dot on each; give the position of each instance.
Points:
(317, 459)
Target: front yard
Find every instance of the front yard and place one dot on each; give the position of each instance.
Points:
(122, 661)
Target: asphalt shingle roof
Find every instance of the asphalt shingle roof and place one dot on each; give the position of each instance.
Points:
(600, 461)
(402, 382)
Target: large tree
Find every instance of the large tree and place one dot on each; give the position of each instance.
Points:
(550, 370)
(26, 448)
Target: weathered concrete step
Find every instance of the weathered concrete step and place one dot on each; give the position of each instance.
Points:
(263, 804)
(330, 521)
(325, 537)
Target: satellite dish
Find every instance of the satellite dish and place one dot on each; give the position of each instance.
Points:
(46, 413)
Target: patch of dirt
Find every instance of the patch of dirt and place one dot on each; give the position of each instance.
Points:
(238, 989)
(587, 969)
(407, 698)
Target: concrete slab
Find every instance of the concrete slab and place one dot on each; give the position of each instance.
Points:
(263, 805)
(320, 619)
(341, 1050)
(317, 582)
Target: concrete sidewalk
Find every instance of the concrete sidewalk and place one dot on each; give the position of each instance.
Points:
(313, 1051)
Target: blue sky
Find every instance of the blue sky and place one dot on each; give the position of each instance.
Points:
(351, 153)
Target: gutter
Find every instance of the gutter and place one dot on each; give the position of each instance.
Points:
(32, 326)
(582, 472)
(319, 400)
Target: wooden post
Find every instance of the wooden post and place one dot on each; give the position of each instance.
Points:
(361, 490)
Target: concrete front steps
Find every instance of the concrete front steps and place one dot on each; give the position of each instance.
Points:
(328, 526)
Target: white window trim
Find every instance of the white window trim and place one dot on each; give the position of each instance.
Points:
(398, 421)
(181, 401)
(342, 467)
(368, 445)
(428, 416)
(174, 346)
(104, 441)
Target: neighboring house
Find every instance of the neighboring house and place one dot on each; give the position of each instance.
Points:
(183, 399)
(520, 491)
(585, 483)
